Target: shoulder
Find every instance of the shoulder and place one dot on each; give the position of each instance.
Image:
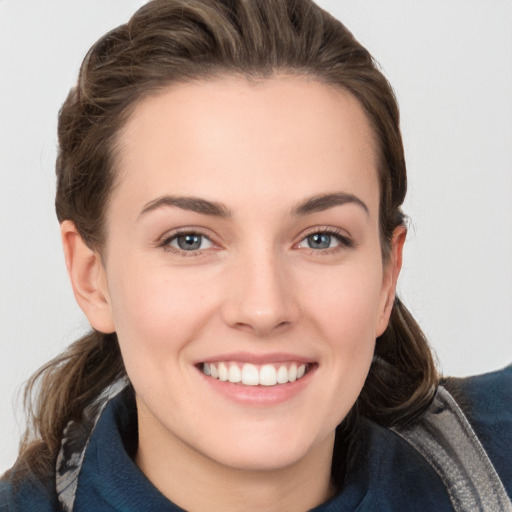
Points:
(6, 502)
(491, 392)
(27, 495)
(486, 401)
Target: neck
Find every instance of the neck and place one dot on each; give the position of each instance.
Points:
(195, 482)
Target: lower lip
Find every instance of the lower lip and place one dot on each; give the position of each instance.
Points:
(260, 395)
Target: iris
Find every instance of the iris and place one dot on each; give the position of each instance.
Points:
(319, 241)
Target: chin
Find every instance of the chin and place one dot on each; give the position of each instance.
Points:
(268, 452)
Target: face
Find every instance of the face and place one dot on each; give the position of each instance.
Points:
(243, 269)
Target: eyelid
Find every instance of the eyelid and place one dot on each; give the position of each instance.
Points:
(342, 236)
(164, 240)
(345, 239)
(173, 241)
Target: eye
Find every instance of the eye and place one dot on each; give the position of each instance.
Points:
(320, 241)
(188, 242)
(323, 240)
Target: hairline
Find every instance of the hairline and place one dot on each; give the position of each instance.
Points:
(251, 76)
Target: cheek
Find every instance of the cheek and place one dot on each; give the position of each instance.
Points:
(347, 316)
(153, 314)
(347, 301)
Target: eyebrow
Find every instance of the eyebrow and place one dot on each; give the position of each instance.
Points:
(205, 207)
(194, 204)
(325, 201)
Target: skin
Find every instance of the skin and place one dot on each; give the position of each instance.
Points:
(255, 287)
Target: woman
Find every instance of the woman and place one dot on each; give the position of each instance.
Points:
(230, 180)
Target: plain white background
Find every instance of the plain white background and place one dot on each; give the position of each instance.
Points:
(450, 62)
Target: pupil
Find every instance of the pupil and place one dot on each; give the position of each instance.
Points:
(319, 241)
(189, 242)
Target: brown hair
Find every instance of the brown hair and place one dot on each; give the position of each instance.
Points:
(169, 41)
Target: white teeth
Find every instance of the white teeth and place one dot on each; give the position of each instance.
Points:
(235, 374)
(252, 375)
(292, 373)
(223, 372)
(282, 375)
(268, 375)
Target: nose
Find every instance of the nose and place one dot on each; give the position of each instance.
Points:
(261, 296)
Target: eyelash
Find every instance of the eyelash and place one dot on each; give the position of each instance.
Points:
(166, 242)
(345, 242)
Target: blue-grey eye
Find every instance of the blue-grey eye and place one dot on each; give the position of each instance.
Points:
(320, 241)
(190, 242)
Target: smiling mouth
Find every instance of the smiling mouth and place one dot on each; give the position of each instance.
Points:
(248, 374)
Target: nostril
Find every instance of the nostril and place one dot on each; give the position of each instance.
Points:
(262, 328)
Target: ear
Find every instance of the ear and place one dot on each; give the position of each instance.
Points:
(88, 278)
(390, 278)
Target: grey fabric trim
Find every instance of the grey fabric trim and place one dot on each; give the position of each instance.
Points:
(74, 443)
(443, 437)
(446, 440)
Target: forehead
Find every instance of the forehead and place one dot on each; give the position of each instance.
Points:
(274, 139)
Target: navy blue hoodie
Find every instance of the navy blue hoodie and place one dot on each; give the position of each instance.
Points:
(390, 472)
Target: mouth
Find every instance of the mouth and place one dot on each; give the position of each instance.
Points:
(248, 374)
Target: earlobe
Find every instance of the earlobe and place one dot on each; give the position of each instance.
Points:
(88, 279)
(391, 273)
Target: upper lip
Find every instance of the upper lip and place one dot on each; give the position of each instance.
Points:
(259, 359)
